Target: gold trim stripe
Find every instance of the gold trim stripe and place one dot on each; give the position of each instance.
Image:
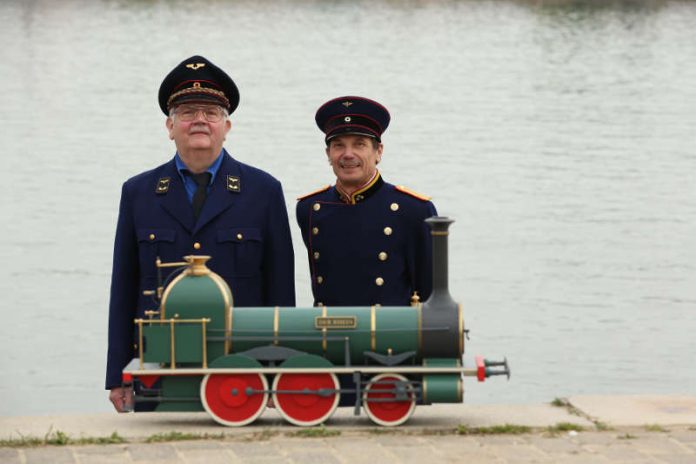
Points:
(461, 331)
(205, 346)
(425, 384)
(373, 328)
(228, 299)
(176, 321)
(140, 341)
(419, 309)
(276, 317)
(460, 383)
(364, 189)
(167, 291)
(194, 90)
(171, 336)
(323, 330)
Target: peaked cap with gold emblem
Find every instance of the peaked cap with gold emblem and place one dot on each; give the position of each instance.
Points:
(352, 115)
(198, 80)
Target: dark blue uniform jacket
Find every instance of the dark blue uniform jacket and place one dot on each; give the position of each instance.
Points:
(373, 248)
(243, 225)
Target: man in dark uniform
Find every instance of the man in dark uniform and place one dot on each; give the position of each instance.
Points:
(366, 240)
(202, 201)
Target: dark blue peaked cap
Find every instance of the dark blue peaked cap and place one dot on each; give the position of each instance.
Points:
(198, 80)
(352, 115)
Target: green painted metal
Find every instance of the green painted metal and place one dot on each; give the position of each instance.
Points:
(442, 388)
(294, 323)
(395, 328)
(196, 297)
(188, 342)
(251, 322)
(234, 360)
(306, 360)
(180, 387)
(359, 337)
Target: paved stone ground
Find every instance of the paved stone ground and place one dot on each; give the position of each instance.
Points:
(641, 429)
(673, 445)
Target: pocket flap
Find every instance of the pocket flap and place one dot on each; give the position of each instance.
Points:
(239, 234)
(156, 235)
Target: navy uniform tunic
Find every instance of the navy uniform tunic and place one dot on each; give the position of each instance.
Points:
(243, 225)
(372, 248)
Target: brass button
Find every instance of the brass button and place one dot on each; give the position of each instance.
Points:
(316, 255)
(316, 207)
(240, 236)
(379, 281)
(320, 279)
(387, 231)
(382, 256)
(315, 230)
(394, 206)
(197, 246)
(152, 236)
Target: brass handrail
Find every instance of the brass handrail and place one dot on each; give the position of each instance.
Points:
(172, 322)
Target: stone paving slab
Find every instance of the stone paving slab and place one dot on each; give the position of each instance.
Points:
(142, 425)
(625, 445)
(637, 410)
(430, 436)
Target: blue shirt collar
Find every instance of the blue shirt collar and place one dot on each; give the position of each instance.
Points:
(212, 169)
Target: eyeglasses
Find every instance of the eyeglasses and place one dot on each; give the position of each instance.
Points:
(189, 113)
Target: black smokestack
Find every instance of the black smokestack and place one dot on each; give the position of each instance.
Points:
(439, 230)
(442, 318)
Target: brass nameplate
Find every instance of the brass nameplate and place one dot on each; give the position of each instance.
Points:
(335, 322)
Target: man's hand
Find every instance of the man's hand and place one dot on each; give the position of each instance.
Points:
(122, 398)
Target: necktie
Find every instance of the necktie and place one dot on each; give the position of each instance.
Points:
(202, 180)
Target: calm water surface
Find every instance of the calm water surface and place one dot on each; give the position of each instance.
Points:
(560, 138)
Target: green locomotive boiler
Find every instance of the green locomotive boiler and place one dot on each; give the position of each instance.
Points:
(199, 352)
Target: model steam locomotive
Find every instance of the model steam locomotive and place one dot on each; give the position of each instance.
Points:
(199, 352)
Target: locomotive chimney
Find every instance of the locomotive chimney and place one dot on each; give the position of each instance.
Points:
(440, 296)
(442, 323)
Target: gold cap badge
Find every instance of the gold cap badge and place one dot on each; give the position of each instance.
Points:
(195, 66)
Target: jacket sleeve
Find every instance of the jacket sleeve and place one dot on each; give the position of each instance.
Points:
(124, 293)
(279, 257)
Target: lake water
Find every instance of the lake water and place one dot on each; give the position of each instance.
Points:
(560, 136)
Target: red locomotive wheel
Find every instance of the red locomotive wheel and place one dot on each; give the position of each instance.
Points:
(225, 397)
(385, 412)
(312, 407)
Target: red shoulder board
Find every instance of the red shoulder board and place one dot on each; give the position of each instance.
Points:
(323, 189)
(410, 192)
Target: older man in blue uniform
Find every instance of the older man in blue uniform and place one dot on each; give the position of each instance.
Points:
(366, 240)
(202, 201)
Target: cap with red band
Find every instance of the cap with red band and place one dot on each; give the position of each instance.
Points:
(352, 115)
